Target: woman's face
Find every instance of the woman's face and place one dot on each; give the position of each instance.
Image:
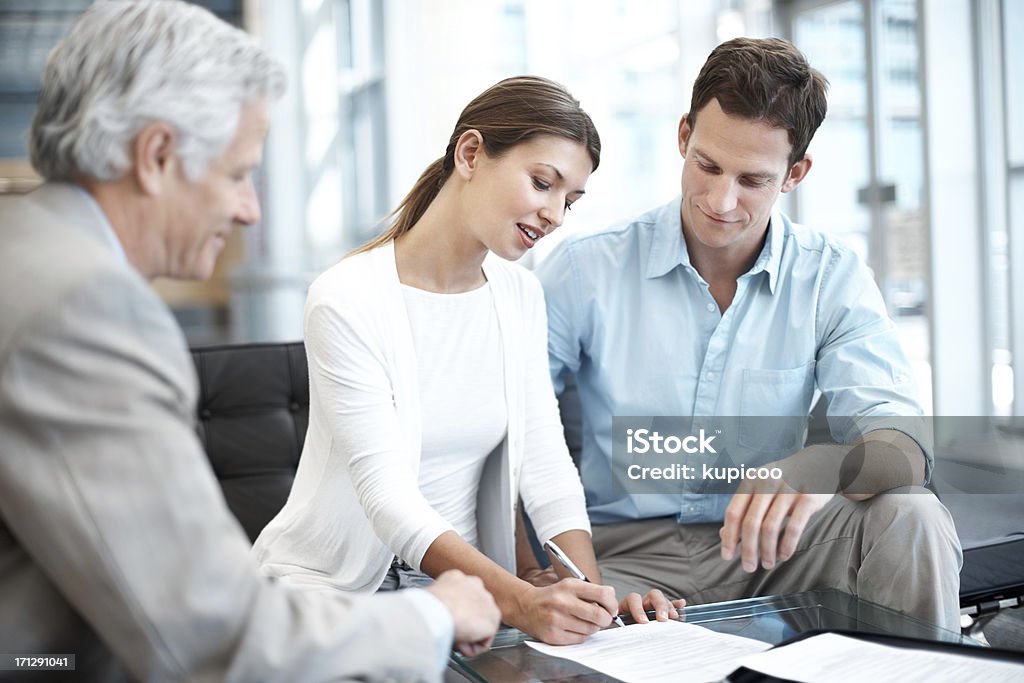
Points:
(521, 196)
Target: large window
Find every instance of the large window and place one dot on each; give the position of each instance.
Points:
(343, 79)
(326, 165)
(1001, 70)
(867, 183)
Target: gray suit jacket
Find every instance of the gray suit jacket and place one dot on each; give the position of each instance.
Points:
(115, 542)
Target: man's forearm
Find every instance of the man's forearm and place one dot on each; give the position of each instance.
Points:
(878, 461)
(526, 560)
(580, 549)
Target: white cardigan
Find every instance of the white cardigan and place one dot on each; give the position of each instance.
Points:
(355, 502)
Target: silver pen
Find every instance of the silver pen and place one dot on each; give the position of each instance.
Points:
(571, 567)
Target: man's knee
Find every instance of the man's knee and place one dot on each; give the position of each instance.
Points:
(911, 503)
(916, 515)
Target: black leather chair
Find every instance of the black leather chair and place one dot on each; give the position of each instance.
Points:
(253, 412)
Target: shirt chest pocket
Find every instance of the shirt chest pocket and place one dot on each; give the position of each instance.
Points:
(774, 405)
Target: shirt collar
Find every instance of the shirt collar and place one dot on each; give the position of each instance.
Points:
(668, 248)
(106, 229)
(770, 258)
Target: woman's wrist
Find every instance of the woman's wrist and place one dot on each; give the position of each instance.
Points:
(513, 601)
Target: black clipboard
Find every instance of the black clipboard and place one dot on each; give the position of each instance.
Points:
(745, 675)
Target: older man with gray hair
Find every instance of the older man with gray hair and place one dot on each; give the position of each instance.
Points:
(116, 545)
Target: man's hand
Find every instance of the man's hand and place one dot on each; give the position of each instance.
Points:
(767, 517)
(762, 511)
(473, 610)
(655, 601)
(564, 613)
(756, 521)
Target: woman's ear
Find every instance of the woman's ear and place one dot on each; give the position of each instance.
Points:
(469, 151)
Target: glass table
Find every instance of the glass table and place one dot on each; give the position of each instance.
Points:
(770, 619)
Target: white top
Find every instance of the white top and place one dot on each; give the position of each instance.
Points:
(356, 500)
(462, 393)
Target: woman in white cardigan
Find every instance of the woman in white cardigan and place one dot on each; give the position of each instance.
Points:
(431, 407)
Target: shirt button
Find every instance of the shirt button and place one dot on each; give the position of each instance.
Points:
(711, 307)
(709, 375)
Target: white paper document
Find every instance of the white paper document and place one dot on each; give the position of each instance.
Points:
(831, 657)
(658, 651)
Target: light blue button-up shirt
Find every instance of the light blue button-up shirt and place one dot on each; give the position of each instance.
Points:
(631, 317)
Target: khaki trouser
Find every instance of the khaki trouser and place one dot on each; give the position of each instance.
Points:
(898, 549)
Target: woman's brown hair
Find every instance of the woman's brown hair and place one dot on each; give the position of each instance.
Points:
(507, 114)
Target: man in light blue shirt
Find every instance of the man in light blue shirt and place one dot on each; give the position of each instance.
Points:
(714, 306)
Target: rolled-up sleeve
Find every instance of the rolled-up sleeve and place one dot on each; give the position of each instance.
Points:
(861, 367)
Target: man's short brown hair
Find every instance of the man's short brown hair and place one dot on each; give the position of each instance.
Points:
(764, 79)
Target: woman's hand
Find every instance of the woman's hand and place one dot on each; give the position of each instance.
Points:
(655, 601)
(563, 613)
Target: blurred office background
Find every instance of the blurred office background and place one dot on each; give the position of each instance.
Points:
(919, 165)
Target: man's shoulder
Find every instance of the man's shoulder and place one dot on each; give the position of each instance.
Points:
(809, 250)
(47, 260)
(804, 243)
(827, 262)
(72, 290)
(621, 234)
(614, 245)
(45, 227)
